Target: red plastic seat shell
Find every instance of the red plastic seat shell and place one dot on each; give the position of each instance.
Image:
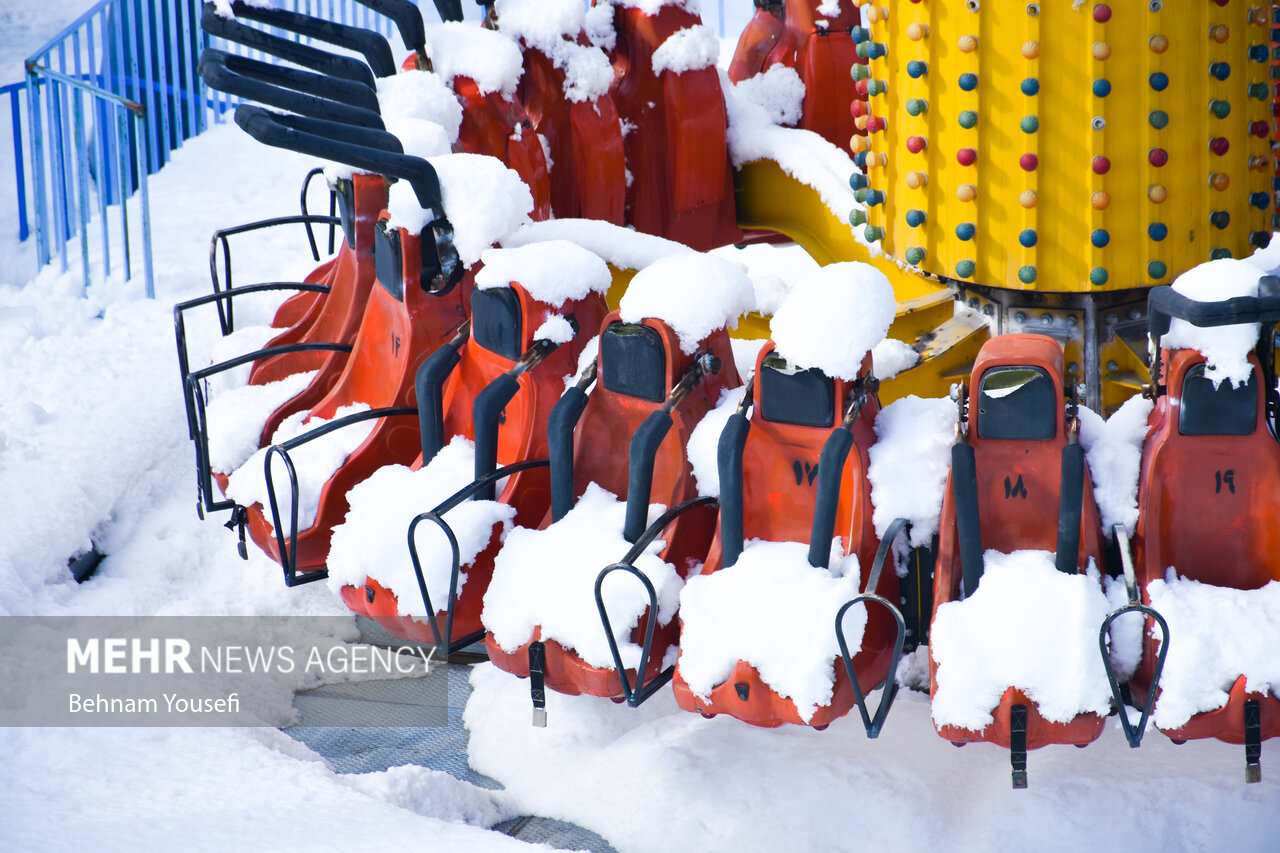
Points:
(1221, 535)
(1011, 522)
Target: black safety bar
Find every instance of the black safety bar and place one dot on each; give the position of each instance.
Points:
(964, 495)
(1070, 495)
(729, 450)
(1164, 304)
(368, 43)
(322, 61)
(641, 691)
(290, 89)
(445, 270)
(428, 386)
(486, 412)
(1132, 733)
(873, 724)
(560, 425)
(436, 517)
(831, 471)
(286, 545)
(648, 437)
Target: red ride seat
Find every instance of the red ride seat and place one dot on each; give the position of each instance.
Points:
(504, 320)
(1017, 446)
(792, 417)
(682, 181)
(636, 366)
(821, 56)
(1209, 498)
(402, 324)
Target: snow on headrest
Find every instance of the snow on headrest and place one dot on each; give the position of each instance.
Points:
(622, 247)
(693, 293)
(489, 58)
(553, 272)
(551, 26)
(833, 317)
(421, 95)
(1225, 348)
(483, 199)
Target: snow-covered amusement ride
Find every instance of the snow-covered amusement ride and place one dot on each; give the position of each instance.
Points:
(1014, 442)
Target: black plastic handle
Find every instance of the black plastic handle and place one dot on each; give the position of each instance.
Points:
(964, 492)
(640, 461)
(560, 425)
(407, 18)
(231, 29)
(371, 45)
(1070, 508)
(1164, 303)
(343, 92)
(830, 474)
(270, 129)
(733, 441)
(428, 384)
(219, 74)
(485, 414)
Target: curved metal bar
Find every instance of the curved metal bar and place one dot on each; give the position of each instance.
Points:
(637, 695)
(1133, 734)
(302, 205)
(288, 550)
(434, 516)
(873, 725)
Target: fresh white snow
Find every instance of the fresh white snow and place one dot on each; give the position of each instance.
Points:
(553, 272)
(776, 612)
(490, 58)
(704, 441)
(693, 294)
(1113, 449)
(619, 246)
(690, 49)
(909, 464)
(550, 26)
(236, 417)
(1225, 348)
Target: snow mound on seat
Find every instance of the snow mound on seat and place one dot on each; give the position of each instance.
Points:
(1027, 626)
(490, 58)
(690, 49)
(694, 294)
(483, 199)
(621, 247)
(1216, 635)
(371, 541)
(833, 317)
(891, 356)
(553, 272)
(550, 26)
(314, 463)
(547, 577)
(420, 95)
(909, 464)
(1113, 449)
(236, 418)
(1225, 348)
(740, 612)
(240, 342)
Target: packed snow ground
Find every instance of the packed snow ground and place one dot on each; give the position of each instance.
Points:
(93, 447)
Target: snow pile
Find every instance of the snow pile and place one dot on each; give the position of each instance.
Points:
(491, 59)
(690, 49)
(829, 8)
(1216, 634)
(756, 107)
(1225, 348)
(243, 340)
(555, 329)
(1027, 626)
(772, 584)
(420, 95)
(371, 541)
(909, 464)
(704, 441)
(694, 294)
(550, 26)
(553, 272)
(434, 793)
(314, 463)
(483, 199)
(774, 270)
(891, 356)
(746, 352)
(586, 358)
(235, 418)
(420, 138)
(548, 577)
(621, 247)
(1113, 449)
(833, 317)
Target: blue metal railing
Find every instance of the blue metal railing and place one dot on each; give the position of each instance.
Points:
(106, 101)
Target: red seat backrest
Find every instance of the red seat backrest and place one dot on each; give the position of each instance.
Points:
(1209, 504)
(610, 418)
(499, 127)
